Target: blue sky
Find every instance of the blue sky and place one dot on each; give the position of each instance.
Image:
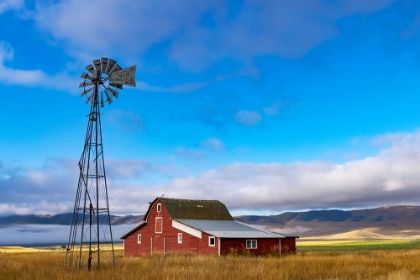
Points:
(267, 106)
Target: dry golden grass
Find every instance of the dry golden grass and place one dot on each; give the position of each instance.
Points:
(380, 265)
(19, 249)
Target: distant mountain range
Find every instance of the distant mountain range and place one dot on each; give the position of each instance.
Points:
(62, 219)
(377, 223)
(383, 222)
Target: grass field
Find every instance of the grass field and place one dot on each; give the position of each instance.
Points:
(46, 249)
(356, 245)
(338, 260)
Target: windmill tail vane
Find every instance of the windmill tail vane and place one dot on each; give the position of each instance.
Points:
(90, 242)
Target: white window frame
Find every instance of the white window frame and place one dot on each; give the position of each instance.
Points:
(214, 241)
(179, 238)
(138, 238)
(159, 207)
(161, 224)
(251, 244)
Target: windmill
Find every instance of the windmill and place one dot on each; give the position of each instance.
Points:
(90, 241)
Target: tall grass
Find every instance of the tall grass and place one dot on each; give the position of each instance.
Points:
(400, 264)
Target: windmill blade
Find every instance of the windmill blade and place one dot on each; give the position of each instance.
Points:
(86, 91)
(108, 98)
(90, 68)
(116, 85)
(116, 68)
(89, 98)
(86, 76)
(111, 64)
(97, 63)
(102, 100)
(104, 62)
(124, 76)
(96, 74)
(114, 92)
(85, 84)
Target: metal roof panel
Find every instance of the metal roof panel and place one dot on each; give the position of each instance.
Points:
(228, 229)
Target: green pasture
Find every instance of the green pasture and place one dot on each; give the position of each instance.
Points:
(355, 245)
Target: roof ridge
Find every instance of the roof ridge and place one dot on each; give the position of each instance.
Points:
(186, 199)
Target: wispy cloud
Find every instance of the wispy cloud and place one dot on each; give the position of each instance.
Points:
(31, 78)
(248, 118)
(206, 148)
(126, 121)
(274, 109)
(7, 5)
(126, 169)
(181, 88)
(200, 33)
(213, 143)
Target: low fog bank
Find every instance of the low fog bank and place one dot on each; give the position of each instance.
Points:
(47, 234)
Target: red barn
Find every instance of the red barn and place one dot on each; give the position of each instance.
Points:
(184, 226)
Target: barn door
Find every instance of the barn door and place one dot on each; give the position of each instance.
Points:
(193, 246)
(157, 246)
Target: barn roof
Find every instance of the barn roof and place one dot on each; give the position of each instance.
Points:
(229, 229)
(196, 209)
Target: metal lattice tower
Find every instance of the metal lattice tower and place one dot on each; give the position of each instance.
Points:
(90, 241)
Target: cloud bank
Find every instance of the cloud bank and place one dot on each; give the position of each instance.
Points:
(389, 177)
(198, 33)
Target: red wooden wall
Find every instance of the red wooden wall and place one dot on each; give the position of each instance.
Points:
(288, 245)
(238, 246)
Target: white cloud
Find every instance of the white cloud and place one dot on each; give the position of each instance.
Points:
(205, 149)
(126, 121)
(190, 153)
(127, 27)
(6, 5)
(126, 169)
(283, 28)
(31, 77)
(274, 109)
(248, 118)
(390, 177)
(181, 88)
(213, 144)
(390, 138)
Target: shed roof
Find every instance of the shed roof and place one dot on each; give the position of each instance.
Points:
(196, 209)
(229, 229)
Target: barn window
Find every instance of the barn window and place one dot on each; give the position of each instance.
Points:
(139, 239)
(159, 207)
(212, 241)
(158, 225)
(179, 238)
(251, 244)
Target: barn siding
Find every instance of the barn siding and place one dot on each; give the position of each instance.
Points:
(288, 245)
(238, 246)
